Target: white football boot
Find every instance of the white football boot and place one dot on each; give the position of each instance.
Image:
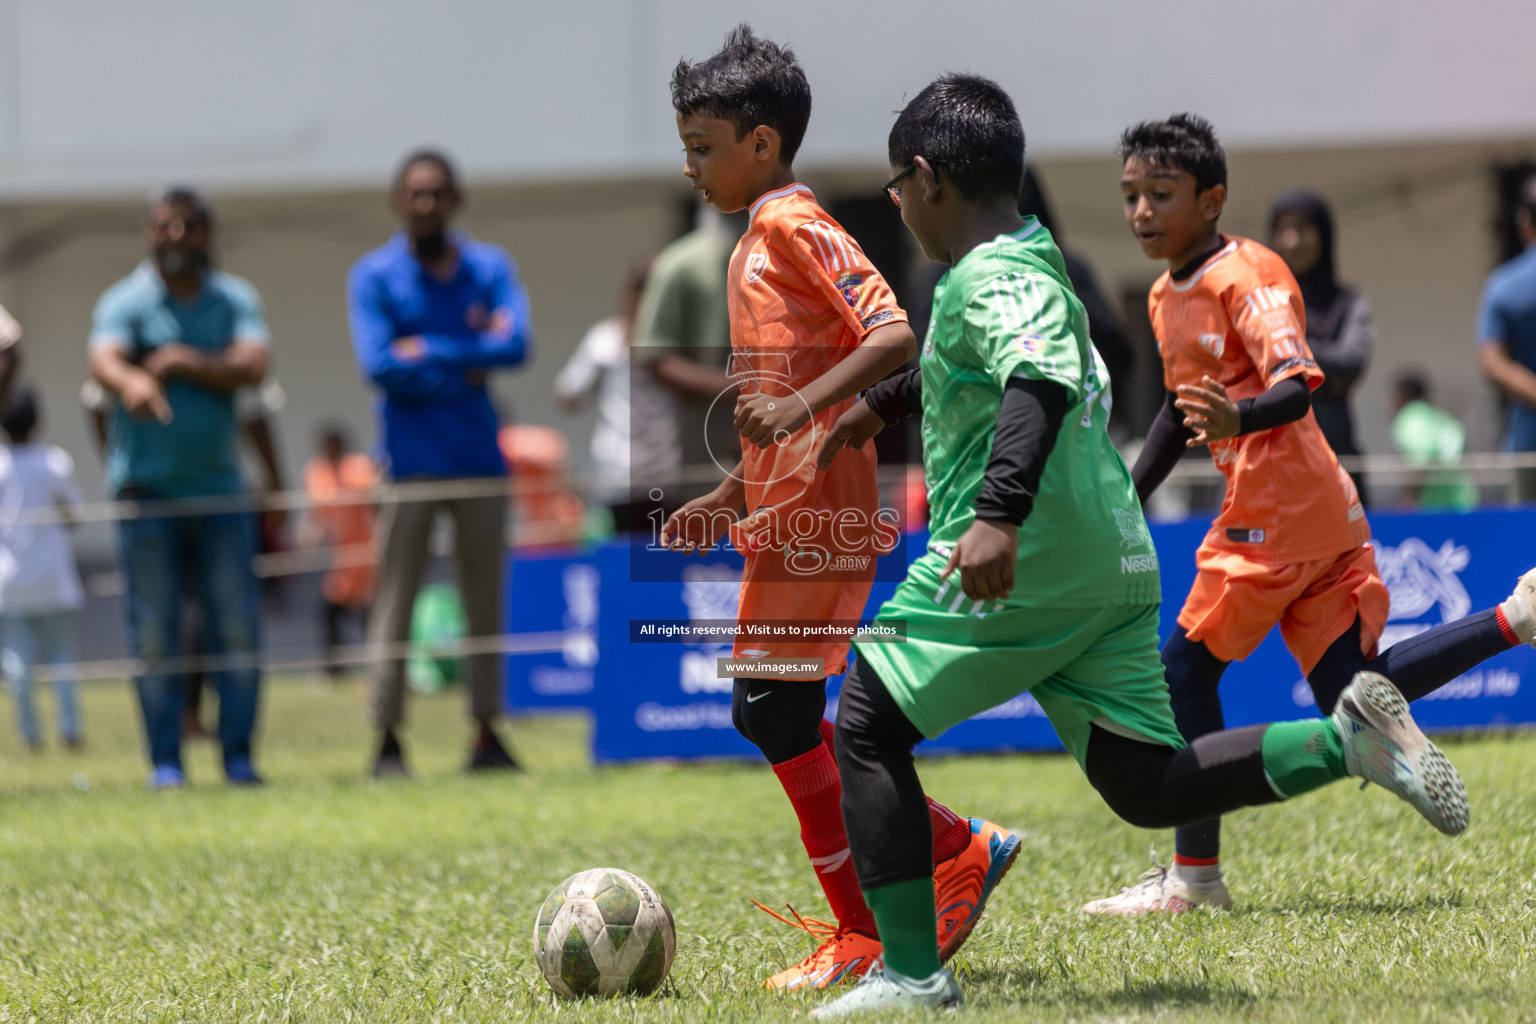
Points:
(1163, 890)
(883, 990)
(1383, 744)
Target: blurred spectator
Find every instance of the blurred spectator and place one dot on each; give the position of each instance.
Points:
(682, 337)
(256, 409)
(1430, 437)
(337, 481)
(546, 513)
(1339, 327)
(431, 313)
(39, 581)
(601, 362)
(10, 355)
(174, 341)
(1506, 326)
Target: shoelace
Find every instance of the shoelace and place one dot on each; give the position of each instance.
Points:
(814, 927)
(1157, 871)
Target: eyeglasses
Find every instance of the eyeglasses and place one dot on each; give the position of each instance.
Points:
(894, 190)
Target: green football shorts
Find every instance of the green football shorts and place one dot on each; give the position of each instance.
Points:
(1085, 666)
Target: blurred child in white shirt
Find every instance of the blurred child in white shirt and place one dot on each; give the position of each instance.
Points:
(40, 589)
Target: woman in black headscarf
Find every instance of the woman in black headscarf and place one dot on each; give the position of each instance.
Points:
(1339, 328)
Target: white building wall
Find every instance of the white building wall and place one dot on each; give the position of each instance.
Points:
(293, 114)
(99, 97)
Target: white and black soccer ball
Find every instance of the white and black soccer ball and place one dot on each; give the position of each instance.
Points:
(604, 932)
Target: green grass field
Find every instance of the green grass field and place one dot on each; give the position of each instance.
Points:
(327, 897)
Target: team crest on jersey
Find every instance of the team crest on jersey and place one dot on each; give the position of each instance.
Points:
(1028, 343)
(849, 284)
(1215, 344)
(757, 262)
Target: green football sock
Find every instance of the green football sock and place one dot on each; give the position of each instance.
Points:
(1302, 756)
(909, 926)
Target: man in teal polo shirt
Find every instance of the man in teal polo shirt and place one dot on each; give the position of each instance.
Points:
(174, 341)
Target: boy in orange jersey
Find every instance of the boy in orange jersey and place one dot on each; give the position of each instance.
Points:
(1291, 545)
(812, 323)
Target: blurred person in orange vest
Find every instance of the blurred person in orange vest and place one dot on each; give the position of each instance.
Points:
(335, 479)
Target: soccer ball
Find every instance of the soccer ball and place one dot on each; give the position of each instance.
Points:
(604, 932)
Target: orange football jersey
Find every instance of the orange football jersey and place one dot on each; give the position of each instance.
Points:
(802, 296)
(1239, 319)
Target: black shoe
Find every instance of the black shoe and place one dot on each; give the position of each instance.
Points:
(489, 755)
(390, 763)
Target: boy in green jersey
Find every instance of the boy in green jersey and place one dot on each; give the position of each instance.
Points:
(1040, 573)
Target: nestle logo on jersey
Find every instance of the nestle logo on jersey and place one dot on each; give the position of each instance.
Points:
(1137, 563)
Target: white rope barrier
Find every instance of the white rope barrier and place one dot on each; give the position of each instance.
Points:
(1191, 470)
(352, 654)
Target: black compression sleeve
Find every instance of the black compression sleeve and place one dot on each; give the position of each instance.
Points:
(897, 396)
(1028, 421)
(1285, 402)
(1164, 447)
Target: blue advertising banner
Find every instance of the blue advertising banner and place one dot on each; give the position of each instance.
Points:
(664, 700)
(1439, 568)
(552, 593)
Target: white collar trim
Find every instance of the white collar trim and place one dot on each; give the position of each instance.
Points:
(1221, 253)
(775, 194)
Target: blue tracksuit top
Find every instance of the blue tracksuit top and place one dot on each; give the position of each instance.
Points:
(435, 415)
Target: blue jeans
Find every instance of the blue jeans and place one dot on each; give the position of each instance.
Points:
(45, 638)
(216, 550)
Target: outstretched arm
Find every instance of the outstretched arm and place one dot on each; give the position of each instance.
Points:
(1167, 438)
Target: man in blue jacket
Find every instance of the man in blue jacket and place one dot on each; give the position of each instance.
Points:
(432, 311)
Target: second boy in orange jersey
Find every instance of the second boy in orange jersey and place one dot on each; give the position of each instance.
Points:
(1291, 545)
(812, 324)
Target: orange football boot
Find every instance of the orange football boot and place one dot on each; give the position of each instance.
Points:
(962, 884)
(841, 954)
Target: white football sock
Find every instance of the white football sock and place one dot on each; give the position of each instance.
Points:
(1199, 875)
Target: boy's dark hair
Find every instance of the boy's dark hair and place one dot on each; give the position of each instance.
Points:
(1413, 387)
(334, 434)
(427, 156)
(1184, 142)
(965, 126)
(751, 81)
(20, 416)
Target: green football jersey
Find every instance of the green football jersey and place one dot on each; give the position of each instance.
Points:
(1006, 310)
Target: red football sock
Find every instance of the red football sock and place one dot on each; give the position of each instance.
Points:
(1506, 628)
(816, 793)
(951, 832)
(1196, 862)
